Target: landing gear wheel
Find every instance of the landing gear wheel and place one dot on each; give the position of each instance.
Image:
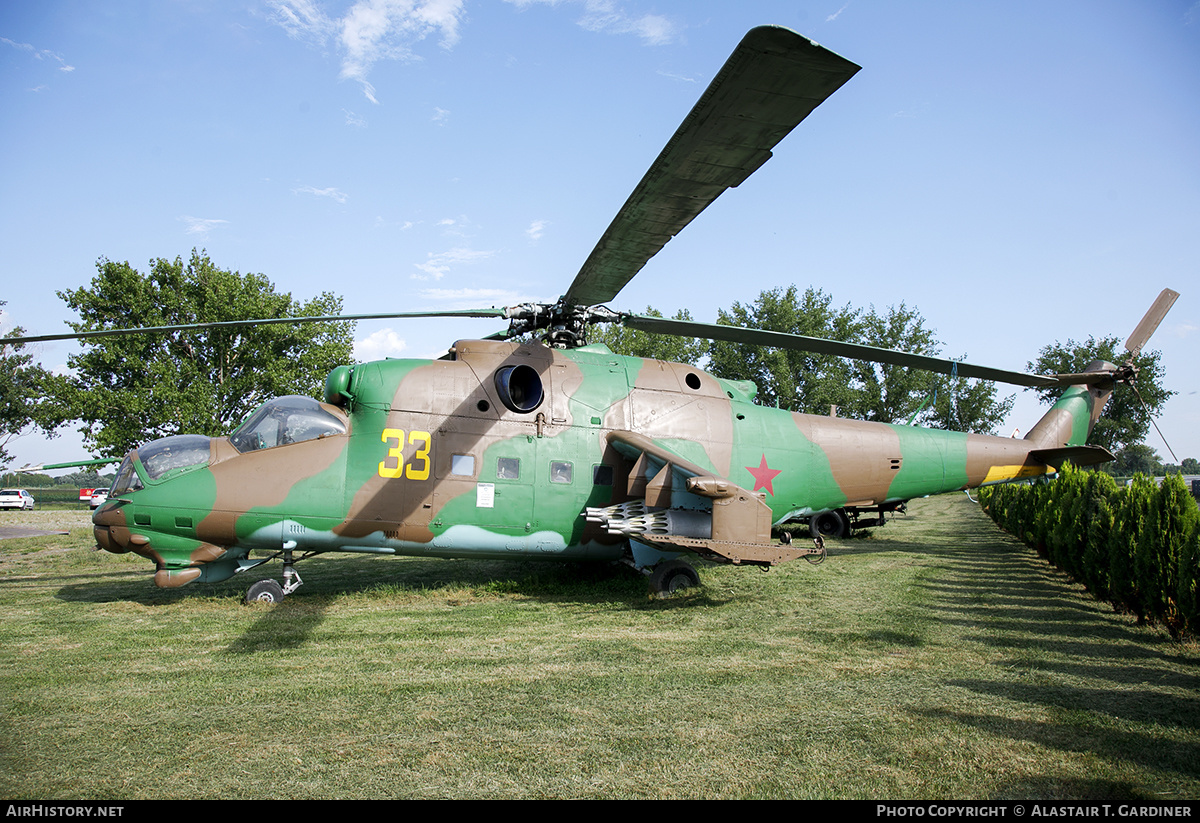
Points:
(829, 524)
(265, 591)
(671, 576)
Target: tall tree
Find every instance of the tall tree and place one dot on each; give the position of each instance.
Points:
(811, 383)
(887, 393)
(1136, 458)
(895, 394)
(966, 405)
(28, 394)
(795, 380)
(637, 343)
(128, 389)
(1124, 421)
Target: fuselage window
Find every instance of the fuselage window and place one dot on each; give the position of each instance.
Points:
(561, 472)
(462, 465)
(602, 475)
(508, 468)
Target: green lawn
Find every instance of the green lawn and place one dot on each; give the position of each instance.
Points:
(937, 658)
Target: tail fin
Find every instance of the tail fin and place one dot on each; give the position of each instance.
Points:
(1074, 416)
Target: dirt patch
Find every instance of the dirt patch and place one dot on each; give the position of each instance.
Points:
(48, 521)
(9, 532)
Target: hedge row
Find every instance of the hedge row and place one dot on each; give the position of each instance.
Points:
(1137, 546)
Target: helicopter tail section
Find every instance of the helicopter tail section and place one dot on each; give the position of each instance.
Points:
(1060, 435)
(1073, 417)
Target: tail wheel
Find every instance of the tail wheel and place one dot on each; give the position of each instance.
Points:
(265, 591)
(671, 576)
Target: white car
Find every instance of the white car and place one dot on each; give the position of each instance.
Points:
(15, 499)
(99, 496)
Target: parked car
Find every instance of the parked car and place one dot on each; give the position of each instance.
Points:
(98, 498)
(15, 499)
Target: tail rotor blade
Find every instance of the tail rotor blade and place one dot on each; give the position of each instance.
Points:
(1150, 322)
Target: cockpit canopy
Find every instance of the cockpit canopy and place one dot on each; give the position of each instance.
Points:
(160, 458)
(180, 451)
(277, 422)
(127, 479)
(284, 420)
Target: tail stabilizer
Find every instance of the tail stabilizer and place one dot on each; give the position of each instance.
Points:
(1076, 455)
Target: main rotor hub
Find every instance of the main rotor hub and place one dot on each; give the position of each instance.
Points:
(565, 325)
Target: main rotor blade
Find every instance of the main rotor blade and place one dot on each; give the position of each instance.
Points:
(772, 81)
(228, 324)
(1150, 322)
(818, 345)
(100, 461)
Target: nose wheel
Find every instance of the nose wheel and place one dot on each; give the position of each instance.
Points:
(272, 591)
(265, 591)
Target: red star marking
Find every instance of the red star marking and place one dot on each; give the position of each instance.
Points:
(763, 475)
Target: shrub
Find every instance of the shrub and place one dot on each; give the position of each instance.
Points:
(1137, 546)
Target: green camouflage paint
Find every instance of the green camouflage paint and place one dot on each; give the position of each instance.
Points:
(432, 462)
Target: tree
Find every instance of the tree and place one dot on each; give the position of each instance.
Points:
(887, 393)
(796, 380)
(896, 394)
(129, 389)
(1124, 421)
(637, 343)
(85, 479)
(1136, 458)
(811, 383)
(966, 405)
(28, 394)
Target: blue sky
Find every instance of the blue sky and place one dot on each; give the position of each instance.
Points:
(1021, 172)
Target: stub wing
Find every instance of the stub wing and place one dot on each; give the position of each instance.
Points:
(676, 505)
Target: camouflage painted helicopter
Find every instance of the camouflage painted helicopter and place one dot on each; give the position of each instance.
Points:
(564, 450)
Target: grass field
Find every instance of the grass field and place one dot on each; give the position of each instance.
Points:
(935, 659)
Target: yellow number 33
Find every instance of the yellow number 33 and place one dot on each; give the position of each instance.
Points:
(393, 464)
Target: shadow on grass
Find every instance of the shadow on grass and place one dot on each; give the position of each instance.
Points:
(382, 577)
(285, 626)
(451, 584)
(1114, 745)
(1085, 681)
(1051, 788)
(65, 581)
(330, 577)
(382, 582)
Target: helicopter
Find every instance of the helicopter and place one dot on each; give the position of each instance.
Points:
(559, 449)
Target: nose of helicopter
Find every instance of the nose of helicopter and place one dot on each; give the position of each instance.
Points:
(108, 526)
